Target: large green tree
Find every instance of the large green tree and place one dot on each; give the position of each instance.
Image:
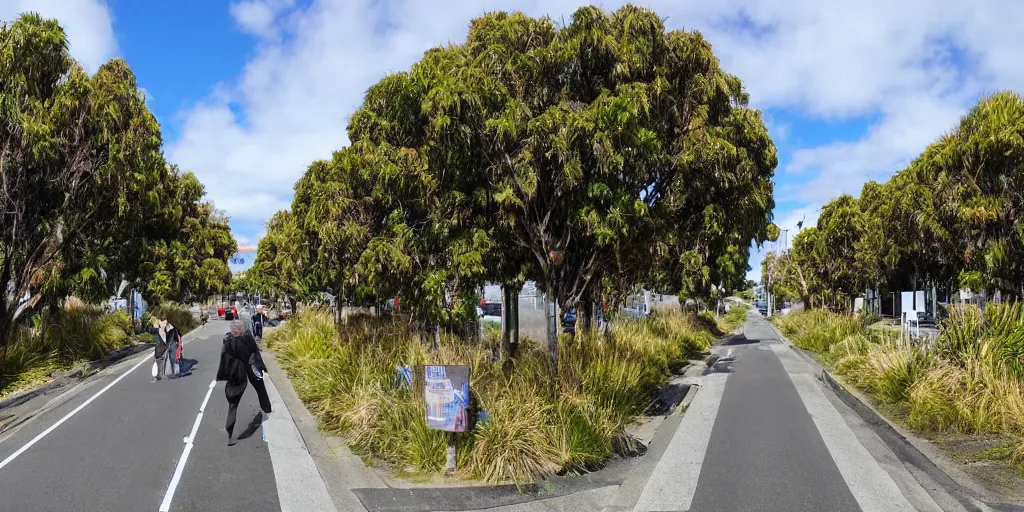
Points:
(281, 256)
(191, 263)
(75, 152)
(576, 155)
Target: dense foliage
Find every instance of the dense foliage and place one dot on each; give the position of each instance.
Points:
(87, 199)
(954, 215)
(594, 158)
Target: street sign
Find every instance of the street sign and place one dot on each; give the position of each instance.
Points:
(446, 388)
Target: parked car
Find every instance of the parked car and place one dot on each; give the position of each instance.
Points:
(490, 313)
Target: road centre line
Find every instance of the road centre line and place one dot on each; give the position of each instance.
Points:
(165, 506)
(68, 416)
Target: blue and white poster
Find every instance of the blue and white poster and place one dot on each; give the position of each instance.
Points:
(447, 394)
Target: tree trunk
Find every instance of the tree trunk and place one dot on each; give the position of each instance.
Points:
(437, 336)
(514, 349)
(584, 318)
(506, 322)
(551, 316)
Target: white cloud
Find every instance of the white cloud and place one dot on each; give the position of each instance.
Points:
(254, 136)
(259, 17)
(87, 23)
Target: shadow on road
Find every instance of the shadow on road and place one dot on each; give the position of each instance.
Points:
(185, 367)
(252, 427)
(739, 339)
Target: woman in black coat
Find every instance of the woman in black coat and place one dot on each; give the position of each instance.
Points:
(241, 364)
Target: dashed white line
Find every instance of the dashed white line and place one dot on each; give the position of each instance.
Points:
(165, 506)
(68, 416)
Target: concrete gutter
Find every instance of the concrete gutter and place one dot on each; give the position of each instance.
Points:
(910, 449)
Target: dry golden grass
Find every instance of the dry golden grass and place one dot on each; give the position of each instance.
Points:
(541, 421)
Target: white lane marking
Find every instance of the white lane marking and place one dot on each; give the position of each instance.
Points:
(165, 506)
(871, 486)
(300, 487)
(68, 416)
(674, 481)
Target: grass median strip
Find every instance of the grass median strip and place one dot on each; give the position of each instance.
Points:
(541, 421)
(968, 382)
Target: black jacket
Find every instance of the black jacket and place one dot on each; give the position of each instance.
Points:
(237, 354)
(261, 318)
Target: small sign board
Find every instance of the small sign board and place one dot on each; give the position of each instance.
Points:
(446, 389)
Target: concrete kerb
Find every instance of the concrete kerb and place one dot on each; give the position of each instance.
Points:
(911, 450)
(71, 383)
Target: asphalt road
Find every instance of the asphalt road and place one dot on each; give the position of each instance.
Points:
(763, 435)
(765, 453)
(119, 452)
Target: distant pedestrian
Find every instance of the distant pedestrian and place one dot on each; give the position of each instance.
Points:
(258, 321)
(241, 364)
(167, 350)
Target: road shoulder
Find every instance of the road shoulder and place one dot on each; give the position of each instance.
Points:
(912, 462)
(337, 468)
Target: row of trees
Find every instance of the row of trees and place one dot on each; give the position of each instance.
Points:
(87, 199)
(592, 158)
(955, 215)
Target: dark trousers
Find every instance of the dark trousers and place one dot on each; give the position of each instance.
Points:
(234, 396)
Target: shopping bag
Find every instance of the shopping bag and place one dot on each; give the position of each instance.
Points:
(154, 369)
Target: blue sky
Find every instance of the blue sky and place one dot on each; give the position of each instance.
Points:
(250, 92)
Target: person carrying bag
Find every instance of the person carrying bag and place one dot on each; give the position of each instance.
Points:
(241, 364)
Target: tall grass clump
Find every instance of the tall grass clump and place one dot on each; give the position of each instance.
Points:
(734, 318)
(970, 381)
(540, 421)
(179, 315)
(818, 330)
(68, 336)
(85, 332)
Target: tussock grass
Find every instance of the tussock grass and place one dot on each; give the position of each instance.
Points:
(540, 421)
(817, 330)
(970, 382)
(74, 334)
(179, 315)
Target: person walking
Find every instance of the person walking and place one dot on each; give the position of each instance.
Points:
(173, 339)
(259, 320)
(160, 352)
(241, 364)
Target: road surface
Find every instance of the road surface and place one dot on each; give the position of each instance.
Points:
(117, 442)
(763, 435)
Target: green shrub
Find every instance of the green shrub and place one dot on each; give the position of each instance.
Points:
(86, 333)
(541, 422)
(179, 315)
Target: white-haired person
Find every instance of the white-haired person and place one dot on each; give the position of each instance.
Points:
(259, 320)
(241, 364)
